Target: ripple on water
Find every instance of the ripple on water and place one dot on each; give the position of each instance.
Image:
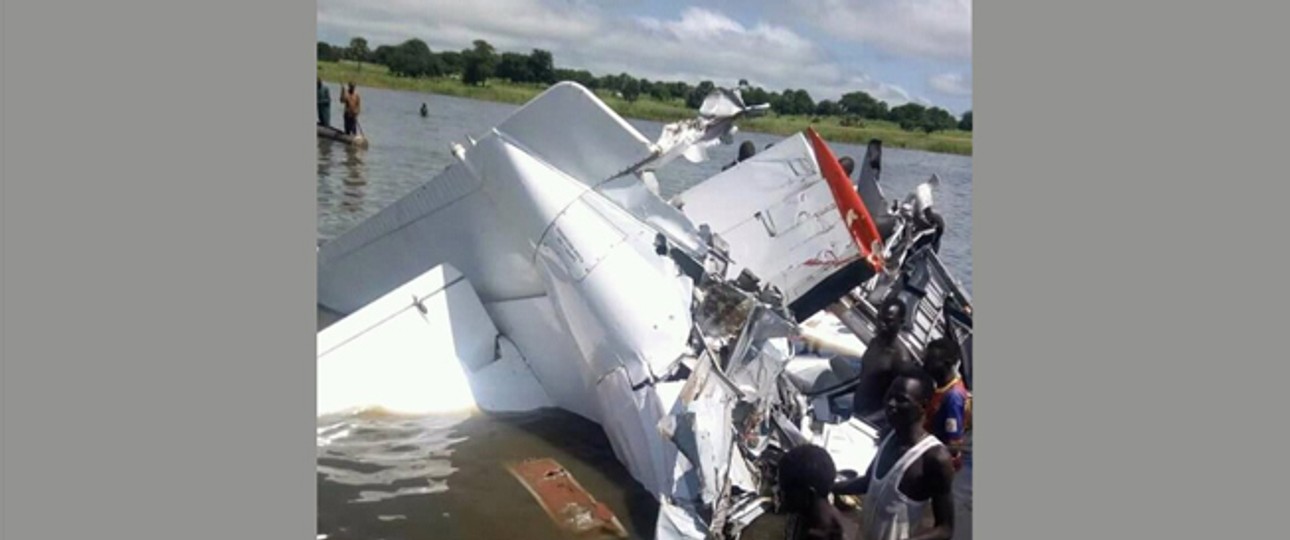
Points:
(387, 456)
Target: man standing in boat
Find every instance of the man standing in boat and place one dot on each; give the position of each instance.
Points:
(353, 105)
(911, 471)
(324, 104)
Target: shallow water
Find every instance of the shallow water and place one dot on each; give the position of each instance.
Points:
(382, 476)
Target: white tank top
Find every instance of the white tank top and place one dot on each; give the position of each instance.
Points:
(888, 513)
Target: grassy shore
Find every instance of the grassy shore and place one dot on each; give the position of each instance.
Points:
(647, 108)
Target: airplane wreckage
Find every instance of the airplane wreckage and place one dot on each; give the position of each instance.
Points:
(542, 269)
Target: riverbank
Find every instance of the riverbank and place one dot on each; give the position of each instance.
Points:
(648, 108)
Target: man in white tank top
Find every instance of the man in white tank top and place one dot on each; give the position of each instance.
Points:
(911, 471)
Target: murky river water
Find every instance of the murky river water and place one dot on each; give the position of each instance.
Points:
(442, 477)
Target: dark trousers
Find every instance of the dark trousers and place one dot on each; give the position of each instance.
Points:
(351, 125)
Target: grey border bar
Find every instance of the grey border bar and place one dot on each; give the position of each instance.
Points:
(1118, 294)
(157, 283)
(159, 225)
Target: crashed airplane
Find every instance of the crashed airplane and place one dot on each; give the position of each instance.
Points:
(542, 269)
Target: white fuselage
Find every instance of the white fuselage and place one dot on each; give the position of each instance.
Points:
(625, 308)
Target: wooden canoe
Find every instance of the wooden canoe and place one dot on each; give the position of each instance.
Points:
(328, 132)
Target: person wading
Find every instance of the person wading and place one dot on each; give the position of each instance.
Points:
(911, 471)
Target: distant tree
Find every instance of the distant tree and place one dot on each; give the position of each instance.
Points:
(776, 101)
(743, 83)
(484, 49)
(382, 55)
(480, 63)
(413, 58)
(784, 104)
(631, 89)
(828, 108)
(580, 76)
(695, 99)
(358, 51)
(541, 66)
(327, 53)
(755, 96)
(661, 91)
(910, 116)
(609, 82)
(802, 102)
(679, 89)
(938, 119)
(965, 123)
(794, 102)
(514, 67)
(646, 87)
(452, 62)
(880, 111)
(863, 105)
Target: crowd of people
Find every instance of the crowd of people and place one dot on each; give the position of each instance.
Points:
(923, 413)
(924, 459)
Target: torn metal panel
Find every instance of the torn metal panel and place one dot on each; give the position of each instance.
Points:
(568, 504)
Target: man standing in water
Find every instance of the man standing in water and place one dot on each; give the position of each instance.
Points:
(950, 419)
(353, 105)
(806, 474)
(324, 104)
(911, 471)
(884, 359)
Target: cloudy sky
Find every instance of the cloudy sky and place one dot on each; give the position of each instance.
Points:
(897, 50)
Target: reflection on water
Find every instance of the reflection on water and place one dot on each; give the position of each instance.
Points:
(396, 477)
(386, 457)
(342, 177)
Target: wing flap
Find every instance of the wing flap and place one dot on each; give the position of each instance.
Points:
(427, 346)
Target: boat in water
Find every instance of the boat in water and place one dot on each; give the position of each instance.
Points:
(331, 133)
(542, 269)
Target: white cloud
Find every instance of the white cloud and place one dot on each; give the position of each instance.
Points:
(698, 44)
(939, 29)
(952, 84)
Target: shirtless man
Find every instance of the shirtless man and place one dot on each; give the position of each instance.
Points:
(353, 105)
(884, 358)
(911, 471)
(806, 474)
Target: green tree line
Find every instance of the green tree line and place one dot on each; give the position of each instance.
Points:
(481, 62)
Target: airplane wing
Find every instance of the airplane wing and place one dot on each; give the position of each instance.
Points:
(782, 223)
(428, 346)
(452, 219)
